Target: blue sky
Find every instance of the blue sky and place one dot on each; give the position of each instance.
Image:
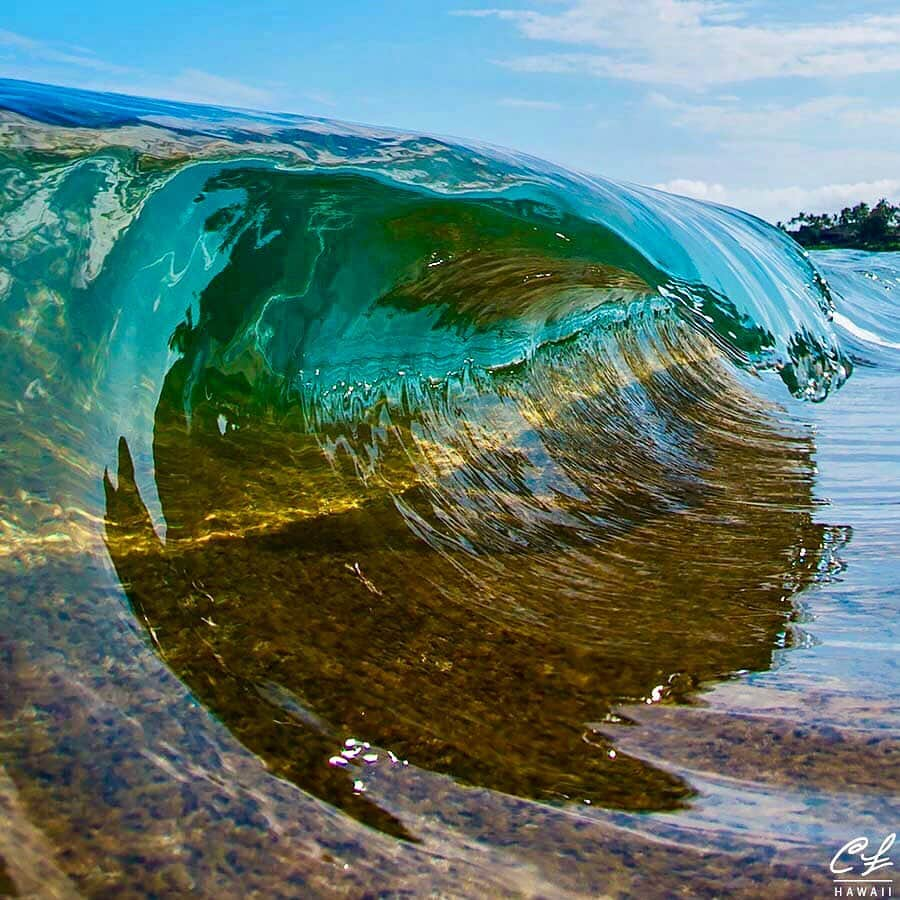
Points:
(770, 106)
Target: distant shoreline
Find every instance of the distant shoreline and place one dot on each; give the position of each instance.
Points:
(891, 247)
(876, 229)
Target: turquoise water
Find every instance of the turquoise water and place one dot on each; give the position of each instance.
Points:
(317, 436)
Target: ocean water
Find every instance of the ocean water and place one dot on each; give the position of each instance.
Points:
(389, 516)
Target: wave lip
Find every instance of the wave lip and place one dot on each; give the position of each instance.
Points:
(381, 223)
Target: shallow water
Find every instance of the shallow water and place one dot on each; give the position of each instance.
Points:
(317, 437)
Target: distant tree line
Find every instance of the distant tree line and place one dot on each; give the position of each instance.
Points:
(861, 226)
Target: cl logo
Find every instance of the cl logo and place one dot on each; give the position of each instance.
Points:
(871, 863)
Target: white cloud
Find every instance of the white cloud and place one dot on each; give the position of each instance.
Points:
(20, 45)
(203, 87)
(520, 103)
(42, 61)
(782, 203)
(698, 43)
(834, 116)
(322, 98)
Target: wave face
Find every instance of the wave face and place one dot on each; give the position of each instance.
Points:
(330, 256)
(395, 438)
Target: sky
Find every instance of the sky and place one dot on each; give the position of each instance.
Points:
(767, 105)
